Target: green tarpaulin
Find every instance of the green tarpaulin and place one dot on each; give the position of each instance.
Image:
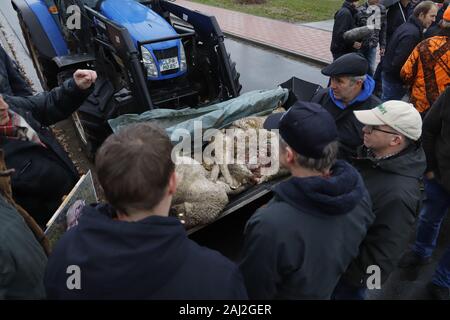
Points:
(218, 116)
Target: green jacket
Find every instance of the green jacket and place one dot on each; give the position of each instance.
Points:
(22, 259)
(23, 247)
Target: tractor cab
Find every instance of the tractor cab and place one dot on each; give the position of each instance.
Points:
(162, 60)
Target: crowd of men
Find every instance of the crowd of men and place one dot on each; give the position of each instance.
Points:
(358, 163)
(413, 42)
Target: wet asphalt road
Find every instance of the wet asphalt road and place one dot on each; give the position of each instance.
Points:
(259, 69)
(262, 69)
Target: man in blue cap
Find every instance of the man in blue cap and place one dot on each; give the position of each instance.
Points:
(351, 89)
(298, 245)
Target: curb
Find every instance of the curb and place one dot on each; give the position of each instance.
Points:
(294, 54)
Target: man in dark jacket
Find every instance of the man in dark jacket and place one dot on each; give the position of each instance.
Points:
(350, 89)
(299, 244)
(344, 20)
(130, 248)
(44, 173)
(436, 142)
(11, 80)
(435, 28)
(397, 15)
(391, 164)
(405, 38)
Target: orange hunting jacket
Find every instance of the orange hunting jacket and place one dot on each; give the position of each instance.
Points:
(427, 71)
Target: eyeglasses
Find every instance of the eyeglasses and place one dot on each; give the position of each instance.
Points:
(369, 130)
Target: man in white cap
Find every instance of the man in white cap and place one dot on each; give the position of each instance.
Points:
(391, 162)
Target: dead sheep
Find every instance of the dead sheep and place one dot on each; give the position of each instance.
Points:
(197, 199)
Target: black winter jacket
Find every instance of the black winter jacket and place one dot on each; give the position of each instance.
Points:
(148, 259)
(300, 243)
(344, 20)
(436, 139)
(43, 175)
(393, 185)
(349, 128)
(403, 42)
(396, 16)
(11, 80)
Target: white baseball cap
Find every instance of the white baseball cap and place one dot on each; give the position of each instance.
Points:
(399, 115)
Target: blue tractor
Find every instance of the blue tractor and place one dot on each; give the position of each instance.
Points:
(148, 54)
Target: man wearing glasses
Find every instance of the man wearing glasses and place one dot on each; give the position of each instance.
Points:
(391, 162)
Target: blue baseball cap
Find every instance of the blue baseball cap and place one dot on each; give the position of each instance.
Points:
(306, 127)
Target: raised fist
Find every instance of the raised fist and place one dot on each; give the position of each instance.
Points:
(84, 78)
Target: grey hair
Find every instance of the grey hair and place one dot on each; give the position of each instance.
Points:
(354, 79)
(324, 163)
(423, 8)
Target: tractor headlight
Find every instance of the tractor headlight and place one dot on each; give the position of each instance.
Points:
(183, 63)
(149, 63)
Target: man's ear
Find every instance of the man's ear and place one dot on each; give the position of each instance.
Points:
(396, 140)
(172, 183)
(421, 16)
(360, 83)
(290, 155)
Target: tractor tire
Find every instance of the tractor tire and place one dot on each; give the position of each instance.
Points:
(46, 70)
(235, 75)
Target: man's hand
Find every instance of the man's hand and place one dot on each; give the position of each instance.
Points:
(357, 45)
(84, 78)
(7, 172)
(382, 52)
(429, 175)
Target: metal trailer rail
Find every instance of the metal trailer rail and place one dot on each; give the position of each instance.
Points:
(241, 201)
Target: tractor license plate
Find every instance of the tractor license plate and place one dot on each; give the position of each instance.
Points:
(169, 64)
